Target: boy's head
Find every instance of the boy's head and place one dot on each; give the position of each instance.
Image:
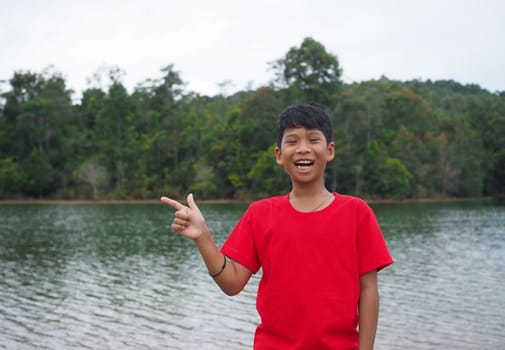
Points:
(310, 116)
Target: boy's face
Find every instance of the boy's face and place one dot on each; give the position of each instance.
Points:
(304, 154)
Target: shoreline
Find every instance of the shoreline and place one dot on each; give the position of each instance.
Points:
(220, 201)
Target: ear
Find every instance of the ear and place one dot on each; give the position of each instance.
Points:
(278, 158)
(331, 151)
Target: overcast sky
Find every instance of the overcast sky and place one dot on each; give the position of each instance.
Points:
(211, 41)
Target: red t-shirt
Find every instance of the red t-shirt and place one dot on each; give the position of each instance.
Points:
(309, 291)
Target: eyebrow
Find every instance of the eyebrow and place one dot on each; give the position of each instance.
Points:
(290, 135)
(310, 133)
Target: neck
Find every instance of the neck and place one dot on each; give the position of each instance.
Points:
(308, 191)
(310, 203)
(309, 200)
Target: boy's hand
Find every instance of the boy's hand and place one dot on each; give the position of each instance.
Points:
(188, 221)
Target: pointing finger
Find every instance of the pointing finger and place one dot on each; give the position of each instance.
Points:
(174, 204)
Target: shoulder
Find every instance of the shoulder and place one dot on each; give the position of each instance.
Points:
(268, 204)
(264, 212)
(351, 201)
(354, 206)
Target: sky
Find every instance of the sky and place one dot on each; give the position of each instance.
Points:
(210, 42)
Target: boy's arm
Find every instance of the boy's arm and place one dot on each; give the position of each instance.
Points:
(368, 310)
(189, 222)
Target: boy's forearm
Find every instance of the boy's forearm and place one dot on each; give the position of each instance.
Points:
(209, 251)
(368, 317)
(228, 278)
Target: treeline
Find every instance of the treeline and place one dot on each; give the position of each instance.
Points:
(413, 139)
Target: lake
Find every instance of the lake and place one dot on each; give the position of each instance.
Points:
(114, 277)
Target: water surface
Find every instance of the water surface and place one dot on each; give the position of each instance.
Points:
(113, 276)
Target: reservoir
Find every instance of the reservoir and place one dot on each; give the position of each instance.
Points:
(103, 276)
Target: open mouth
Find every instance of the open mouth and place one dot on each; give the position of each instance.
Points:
(304, 164)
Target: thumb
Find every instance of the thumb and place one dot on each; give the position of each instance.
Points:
(191, 201)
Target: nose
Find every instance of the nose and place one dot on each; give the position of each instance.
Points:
(303, 147)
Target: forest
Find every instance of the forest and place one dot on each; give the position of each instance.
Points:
(394, 139)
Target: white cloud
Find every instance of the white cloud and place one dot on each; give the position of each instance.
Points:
(213, 41)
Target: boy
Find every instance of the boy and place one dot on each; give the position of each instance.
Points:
(319, 251)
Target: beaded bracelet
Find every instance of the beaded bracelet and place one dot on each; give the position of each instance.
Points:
(222, 268)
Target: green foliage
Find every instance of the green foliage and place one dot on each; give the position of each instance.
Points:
(92, 173)
(309, 73)
(10, 177)
(266, 176)
(404, 107)
(386, 177)
(392, 139)
(499, 173)
(204, 182)
(38, 176)
(395, 179)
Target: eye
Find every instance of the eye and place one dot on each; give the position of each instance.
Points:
(314, 140)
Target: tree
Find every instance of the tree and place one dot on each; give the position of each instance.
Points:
(93, 173)
(352, 135)
(486, 115)
(403, 107)
(393, 139)
(251, 129)
(309, 73)
(115, 136)
(160, 119)
(419, 155)
(385, 176)
(462, 159)
(498, 183)
(37, 118)
(10, 177)
(394, 180)
(266, 176)
(38, 176)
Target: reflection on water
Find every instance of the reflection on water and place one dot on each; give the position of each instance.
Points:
(112, 276)
(443, 292)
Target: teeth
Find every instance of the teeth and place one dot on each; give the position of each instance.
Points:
(302, 163)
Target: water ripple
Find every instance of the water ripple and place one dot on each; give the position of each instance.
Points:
(103, 277)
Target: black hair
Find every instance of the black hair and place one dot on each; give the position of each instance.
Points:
(309, 116)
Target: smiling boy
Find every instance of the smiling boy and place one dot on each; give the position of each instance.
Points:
(319, 251)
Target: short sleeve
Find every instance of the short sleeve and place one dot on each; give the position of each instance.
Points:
(373, 253)
(240, 245)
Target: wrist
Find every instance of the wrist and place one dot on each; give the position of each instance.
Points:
(215, 274)
(203, 236)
